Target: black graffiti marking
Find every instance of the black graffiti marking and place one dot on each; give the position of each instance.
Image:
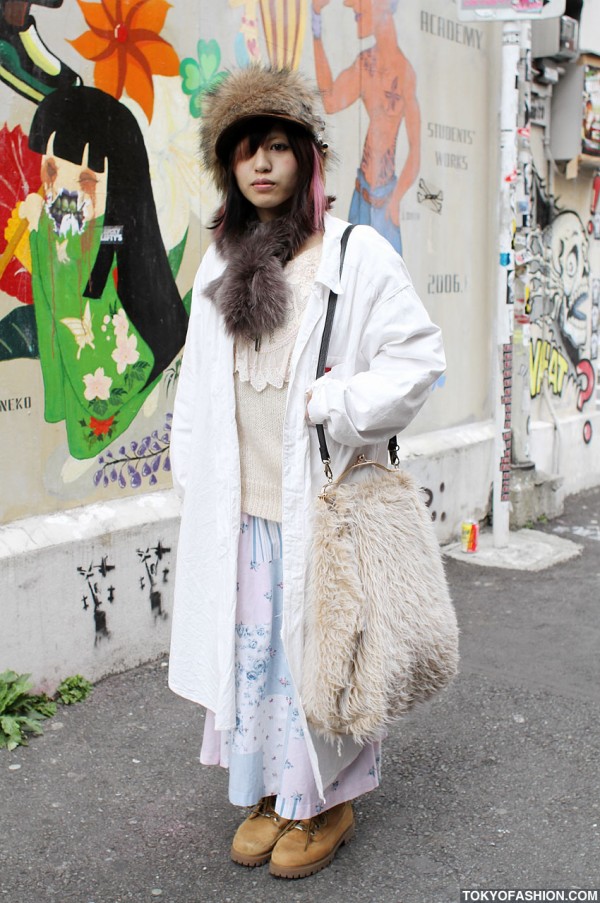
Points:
(95, 594)
(150, 558)
(430, 197)
(429, 499)
(16, 404)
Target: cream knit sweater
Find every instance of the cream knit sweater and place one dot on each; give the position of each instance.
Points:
(261, 379)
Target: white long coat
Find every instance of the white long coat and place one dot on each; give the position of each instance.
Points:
(384, 355)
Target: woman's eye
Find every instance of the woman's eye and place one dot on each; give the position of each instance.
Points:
(279, 146)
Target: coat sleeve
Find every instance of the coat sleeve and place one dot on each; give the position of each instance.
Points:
(187, 386)
(405, 356)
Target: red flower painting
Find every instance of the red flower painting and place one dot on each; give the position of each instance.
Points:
(124, 43)
(20, 176)
(100, 427)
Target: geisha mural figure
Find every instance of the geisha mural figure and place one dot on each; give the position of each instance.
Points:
(109, 316)
(383, 79)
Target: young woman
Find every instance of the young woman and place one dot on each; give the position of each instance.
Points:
(245, 455)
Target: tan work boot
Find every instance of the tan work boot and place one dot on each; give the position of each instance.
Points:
(256, 837)
(310, 845)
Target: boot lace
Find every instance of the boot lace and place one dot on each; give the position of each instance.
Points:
(310, 826)
(265, 809)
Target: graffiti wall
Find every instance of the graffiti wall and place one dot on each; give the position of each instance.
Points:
(102, 206)
(564, 298)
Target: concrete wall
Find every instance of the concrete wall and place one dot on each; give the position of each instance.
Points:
(88, 534)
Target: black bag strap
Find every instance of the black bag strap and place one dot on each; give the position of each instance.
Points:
(393, 447)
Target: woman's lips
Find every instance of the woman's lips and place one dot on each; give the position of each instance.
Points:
(263, 185)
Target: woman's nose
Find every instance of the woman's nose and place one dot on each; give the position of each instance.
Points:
(261, 160)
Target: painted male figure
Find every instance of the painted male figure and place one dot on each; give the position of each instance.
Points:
(385, 81)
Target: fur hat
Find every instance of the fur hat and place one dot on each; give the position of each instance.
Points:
(256, 91)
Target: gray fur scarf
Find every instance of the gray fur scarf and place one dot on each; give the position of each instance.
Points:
(252, 293)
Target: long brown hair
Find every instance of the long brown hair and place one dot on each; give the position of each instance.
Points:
(309, 202)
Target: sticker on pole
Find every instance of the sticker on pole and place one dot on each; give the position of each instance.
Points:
(494, 10)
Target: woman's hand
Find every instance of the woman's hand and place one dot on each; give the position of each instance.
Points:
(318, 5)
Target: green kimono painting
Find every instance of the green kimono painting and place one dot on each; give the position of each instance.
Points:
(95, 363)
(108, 315)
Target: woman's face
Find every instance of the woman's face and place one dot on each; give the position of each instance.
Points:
(269, 178)
(73, 186)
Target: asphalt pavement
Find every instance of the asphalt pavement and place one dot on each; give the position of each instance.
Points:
(495, 784)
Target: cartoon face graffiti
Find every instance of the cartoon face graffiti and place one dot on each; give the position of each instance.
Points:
(74, 192)
(569, 275)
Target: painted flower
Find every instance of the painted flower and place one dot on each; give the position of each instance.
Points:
(120, 324)
(201, 75)
(100, 427)
(124, 43)
(171, 141)
(97, 385)
(20, 176)
(125, 353)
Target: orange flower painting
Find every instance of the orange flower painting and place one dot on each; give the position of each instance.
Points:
(124, 43)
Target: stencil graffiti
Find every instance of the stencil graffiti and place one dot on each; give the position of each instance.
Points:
(155, 561)
(95, 576)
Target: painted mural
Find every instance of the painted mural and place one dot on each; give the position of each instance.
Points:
(102, 202)
(100, 185)
(564, 308)
(382, 78)
(106, 322)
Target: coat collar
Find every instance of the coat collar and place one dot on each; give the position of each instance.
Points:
(328, 272)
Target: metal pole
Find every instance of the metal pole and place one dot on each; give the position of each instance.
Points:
(521, 407)
(509, 106)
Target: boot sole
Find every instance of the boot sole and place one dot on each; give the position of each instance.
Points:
(249, 861)
(304, 871)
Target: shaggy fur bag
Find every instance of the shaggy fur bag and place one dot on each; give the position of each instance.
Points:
(380, 628)
(381, 631)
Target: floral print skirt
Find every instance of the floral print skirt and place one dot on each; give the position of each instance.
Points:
(266, 753)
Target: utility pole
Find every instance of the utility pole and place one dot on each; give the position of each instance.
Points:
(521, 407)
(504, 321)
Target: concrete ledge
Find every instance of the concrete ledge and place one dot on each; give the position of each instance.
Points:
(527, 550)
(89, 591)
(33, 534)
